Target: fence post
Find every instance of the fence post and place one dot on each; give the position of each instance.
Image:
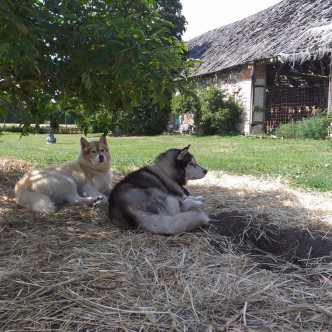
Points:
(329, 98)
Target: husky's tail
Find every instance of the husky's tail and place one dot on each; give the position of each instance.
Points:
(172, 224)
(33, 200)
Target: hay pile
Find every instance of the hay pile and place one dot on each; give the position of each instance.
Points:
(74, 271)
(271, 200)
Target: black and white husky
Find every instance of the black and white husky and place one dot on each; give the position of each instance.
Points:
(153, 198)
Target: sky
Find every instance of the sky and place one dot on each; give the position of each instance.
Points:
(205, 15)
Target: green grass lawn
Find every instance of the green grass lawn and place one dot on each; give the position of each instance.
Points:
(306, 163)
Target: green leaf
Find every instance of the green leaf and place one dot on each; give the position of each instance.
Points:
(139, 32)
(22, 28)
(37, 68)
(8, 106)
(13, 52)
(83, 39)
(86, 80)
(158, 30)
(28, 49)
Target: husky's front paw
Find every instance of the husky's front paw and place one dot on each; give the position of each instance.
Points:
(189, 204)
(197, 203)
(100, 200)
(196, 198)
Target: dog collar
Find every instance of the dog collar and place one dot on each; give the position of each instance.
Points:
(185, 191)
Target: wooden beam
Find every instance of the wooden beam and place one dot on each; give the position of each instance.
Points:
(329, 103)
(252, 97)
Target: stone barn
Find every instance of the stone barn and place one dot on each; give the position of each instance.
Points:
(276, 63)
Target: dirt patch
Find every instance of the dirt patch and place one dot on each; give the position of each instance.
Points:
(270, 245)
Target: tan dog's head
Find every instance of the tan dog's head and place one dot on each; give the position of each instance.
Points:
(96, 152)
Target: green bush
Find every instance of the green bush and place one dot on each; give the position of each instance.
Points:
(181, 104)
(145, 118)
(315, 128)
(219, 112)
(214, 111)
(19, 129)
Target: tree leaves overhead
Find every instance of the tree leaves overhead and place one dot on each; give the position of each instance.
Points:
(170, 10)
(99, 56)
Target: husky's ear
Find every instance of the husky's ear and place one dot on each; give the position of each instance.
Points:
(84, 143)
(103, 139)
(183, 152)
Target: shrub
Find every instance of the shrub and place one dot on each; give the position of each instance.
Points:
(315, 128)
(181, 104)
(215, 112)
(219, 114)
(145, 118)
(19, 129)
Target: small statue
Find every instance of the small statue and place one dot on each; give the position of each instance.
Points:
(50, 138)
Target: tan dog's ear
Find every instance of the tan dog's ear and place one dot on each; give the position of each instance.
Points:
(183, 152)
(84, 143)
(103, 139)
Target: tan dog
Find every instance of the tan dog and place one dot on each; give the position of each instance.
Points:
(85, 180)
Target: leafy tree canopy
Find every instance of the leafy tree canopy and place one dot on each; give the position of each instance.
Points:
(171, 10)
(89, 57)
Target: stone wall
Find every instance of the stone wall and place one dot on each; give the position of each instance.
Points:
(238, 83)
(247, 84)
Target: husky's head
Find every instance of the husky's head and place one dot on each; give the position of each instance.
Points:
(192, 170)
(97, 152)
(180, 165)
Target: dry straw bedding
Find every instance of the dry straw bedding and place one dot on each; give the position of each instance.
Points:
(75, 271)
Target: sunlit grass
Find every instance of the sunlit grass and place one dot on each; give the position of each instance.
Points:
(305, 163)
